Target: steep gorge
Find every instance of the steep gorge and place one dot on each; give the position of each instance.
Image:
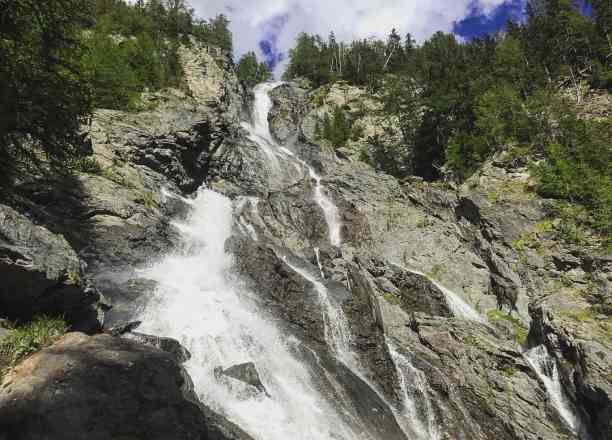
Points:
(316, 298)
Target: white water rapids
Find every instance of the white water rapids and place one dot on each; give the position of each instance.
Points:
(199, 303)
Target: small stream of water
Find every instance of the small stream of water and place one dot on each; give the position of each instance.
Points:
(547, 370)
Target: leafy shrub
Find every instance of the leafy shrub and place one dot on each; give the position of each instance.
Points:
(577, 167)
(250, 71)
(338, 128)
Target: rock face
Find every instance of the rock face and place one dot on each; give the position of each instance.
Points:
(502, 267)
(246, 373)
(100, 388)
(41, 274)
(441, 290)
(100, 221)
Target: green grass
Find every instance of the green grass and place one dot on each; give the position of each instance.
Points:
(113, 176)
(509, 371)
(26, 340)
(521, 331)
(527, 241)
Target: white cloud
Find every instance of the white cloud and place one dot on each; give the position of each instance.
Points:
(348, 18)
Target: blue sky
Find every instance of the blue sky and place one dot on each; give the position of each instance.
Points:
(477, 24)
(269, 27)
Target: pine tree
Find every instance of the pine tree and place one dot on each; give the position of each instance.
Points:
(43, 93)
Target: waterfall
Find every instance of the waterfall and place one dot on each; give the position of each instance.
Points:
(336, 326)
(198, 304)
(317, 252)
(259, 132)
(414, 388)
(337, 332)
(457, 305)
(330, 210)
(547, 370)
(259, 129)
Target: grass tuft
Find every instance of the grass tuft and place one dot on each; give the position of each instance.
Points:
(27, 340)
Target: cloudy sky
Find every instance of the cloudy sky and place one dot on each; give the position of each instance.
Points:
(270, 26)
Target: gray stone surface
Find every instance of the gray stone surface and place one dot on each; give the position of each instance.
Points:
(41, 274)
(104, 387)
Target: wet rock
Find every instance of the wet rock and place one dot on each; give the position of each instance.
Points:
(169, 345)
(124, 328)
(103, 387)
(246, 373)
(584, 368)
(289, 108)
(363, 407)
(285, 293)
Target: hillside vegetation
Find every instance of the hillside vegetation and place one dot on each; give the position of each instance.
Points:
(459, 103)
(61, 59)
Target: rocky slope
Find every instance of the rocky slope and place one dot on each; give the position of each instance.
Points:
(62, 233)
(444, 290)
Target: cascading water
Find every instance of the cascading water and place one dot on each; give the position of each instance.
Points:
(259, 129)
(330, 210)
(259, 132)
(317, 252)
(337, 331)
(413, 384)
(458, 307)
(197, 303)
(547, 370)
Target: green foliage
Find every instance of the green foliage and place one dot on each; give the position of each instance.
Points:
(385, 156)
(114, 82)
(577, 166)
(43, 93)
(63, 58)
(527, 241)
(337, 128)
(215, 32)
(458, 103)
(24, 341)
(134, 48)
(251, 72)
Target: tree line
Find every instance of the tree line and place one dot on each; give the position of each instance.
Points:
(458, 103)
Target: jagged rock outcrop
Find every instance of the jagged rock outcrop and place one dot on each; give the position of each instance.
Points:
(104, 387)
(246, 373)
(465, 239)
(404, 244)
(114, 209)
(41, 274)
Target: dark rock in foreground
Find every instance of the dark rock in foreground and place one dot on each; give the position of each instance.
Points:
(41, 274)
(100, 388)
